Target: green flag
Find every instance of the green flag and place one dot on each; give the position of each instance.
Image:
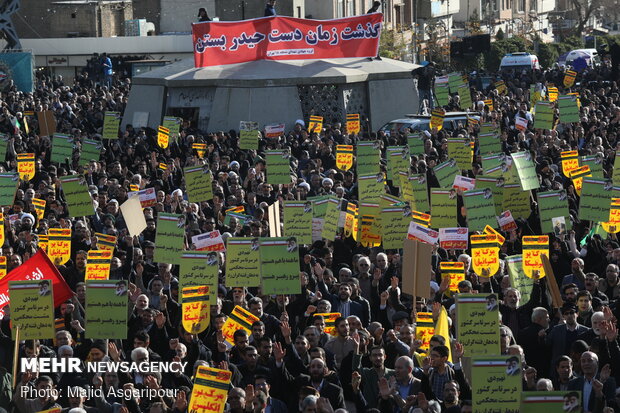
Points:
(279, 259)
(595, 200)
(370, 187)
(497, 187)
(332, 215)
(442, 93)
(595, 162)
(516, 201)
(552, 204)
(616, 172)
(170, 237)
(249, 135)
(518, 279)
(198, 183)
(398, 159)
(8, 187)
(298, 220)
(111, 124)
(443, 208)
(32, 309)
(526, 170)
(202, 268)
(242, 262)
(79, 201)
(480, 209)
(4, 143)
(106, 305)
(445, 172)
(550, 401)
(569, 109)
(489, 142)
(174, 126)
(62, 148)
(394, 225)
(478, 323)
(415, 142)
(319, 205)
(91, 151)
(544, 115)
(459, 149)
(496, 383)
(465, 97)
(368, 157)
(278, 167)
(495, 164)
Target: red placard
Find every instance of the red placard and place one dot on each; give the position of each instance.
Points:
(285, 38)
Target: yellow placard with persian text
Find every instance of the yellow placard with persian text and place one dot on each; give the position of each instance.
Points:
(59, 245)
(163, 137)
(485, 254)
(25, 165)
(369, 238)
(533, 246)
(455, 271)
(491, 231)
(353, 123)
(315, 124)
(344, 157)
(613, 225)
(577, 176)
(196, 308)
(240, 319)
(210, 390)
(98, 265)
(105, 242)
(570, 162)
(39, 206)
(330, 318)
(424, 329)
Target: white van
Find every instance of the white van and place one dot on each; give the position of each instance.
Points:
(519, 61)
(591, 56)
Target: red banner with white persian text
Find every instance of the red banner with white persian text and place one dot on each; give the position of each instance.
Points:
(285, 38)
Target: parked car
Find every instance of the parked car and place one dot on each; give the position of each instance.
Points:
(420, 123)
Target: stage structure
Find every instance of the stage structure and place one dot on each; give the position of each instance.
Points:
(270, 92)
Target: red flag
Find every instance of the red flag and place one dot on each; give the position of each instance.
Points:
(38, 267)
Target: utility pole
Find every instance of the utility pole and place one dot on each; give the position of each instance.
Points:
(415, 32)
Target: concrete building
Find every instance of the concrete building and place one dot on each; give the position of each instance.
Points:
(269, 92)
(67, 56)
(72, 18)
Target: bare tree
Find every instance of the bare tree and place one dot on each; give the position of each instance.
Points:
(583, 11)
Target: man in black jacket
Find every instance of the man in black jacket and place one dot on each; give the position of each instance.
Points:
(426, 79)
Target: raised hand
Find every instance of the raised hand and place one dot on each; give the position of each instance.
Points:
(113, 351)
(605, 373)
(286, 329)
(97, 381)
(356, 380)
(458, 351)
(180, 402)
(384, 388)
(278, 352)
(160, 319)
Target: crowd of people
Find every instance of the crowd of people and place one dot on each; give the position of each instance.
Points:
(373, 361)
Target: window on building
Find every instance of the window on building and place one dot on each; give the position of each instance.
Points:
(340, 8)
(521, 6)
(350, 7)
